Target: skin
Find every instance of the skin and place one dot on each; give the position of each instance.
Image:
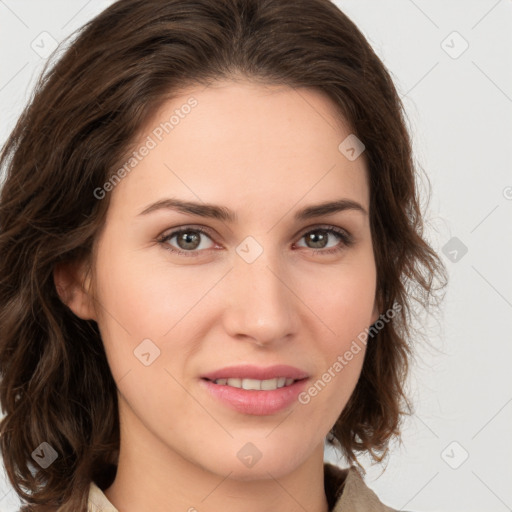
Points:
(264, 152)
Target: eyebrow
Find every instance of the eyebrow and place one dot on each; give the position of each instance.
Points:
(225, 214)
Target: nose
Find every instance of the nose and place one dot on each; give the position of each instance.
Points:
(260, 304)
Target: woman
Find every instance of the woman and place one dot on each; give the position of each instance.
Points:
(211, 241)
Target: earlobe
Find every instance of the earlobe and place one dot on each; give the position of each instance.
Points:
(73, 286)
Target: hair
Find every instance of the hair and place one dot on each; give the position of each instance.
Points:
(87, 108)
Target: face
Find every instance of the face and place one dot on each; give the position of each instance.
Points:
(180, 294)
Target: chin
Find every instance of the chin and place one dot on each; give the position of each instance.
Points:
(275, 464)
(259, 472)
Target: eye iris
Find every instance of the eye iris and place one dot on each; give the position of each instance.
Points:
(190, 239)
(322, 239)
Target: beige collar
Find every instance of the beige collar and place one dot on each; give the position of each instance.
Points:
(355, 496)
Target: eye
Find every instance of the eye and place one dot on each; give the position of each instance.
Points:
(189, 241)
(321, 238)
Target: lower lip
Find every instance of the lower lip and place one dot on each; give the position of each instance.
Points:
(256, 402)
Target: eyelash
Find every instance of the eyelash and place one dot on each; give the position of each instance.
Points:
(346, 239)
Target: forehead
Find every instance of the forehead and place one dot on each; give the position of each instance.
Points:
(244, 143)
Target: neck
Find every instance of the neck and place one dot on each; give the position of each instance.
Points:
(151, 476)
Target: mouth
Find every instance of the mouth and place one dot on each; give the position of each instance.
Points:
(255, 384)
(256, 390)
(255, 396)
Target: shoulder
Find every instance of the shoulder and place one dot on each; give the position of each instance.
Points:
(346, 491)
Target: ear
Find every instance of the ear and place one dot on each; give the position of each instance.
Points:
(73, 284)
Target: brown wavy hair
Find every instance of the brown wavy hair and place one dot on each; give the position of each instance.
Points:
(88, 108)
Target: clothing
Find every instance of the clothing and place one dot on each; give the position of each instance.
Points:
(344, 488)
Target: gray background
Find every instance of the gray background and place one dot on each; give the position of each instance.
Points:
(456, 451)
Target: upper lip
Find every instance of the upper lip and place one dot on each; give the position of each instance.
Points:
(256, 372)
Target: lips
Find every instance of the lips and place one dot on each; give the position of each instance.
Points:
(255, 402)
(257, 373)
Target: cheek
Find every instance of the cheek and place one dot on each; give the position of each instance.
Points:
(148, 299)
(344, 298)
(345, 309)
(345, 306)
(139, 302)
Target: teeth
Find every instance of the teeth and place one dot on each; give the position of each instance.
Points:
(250, 384)
(255, 384)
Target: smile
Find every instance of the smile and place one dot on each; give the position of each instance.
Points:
(255, 384)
